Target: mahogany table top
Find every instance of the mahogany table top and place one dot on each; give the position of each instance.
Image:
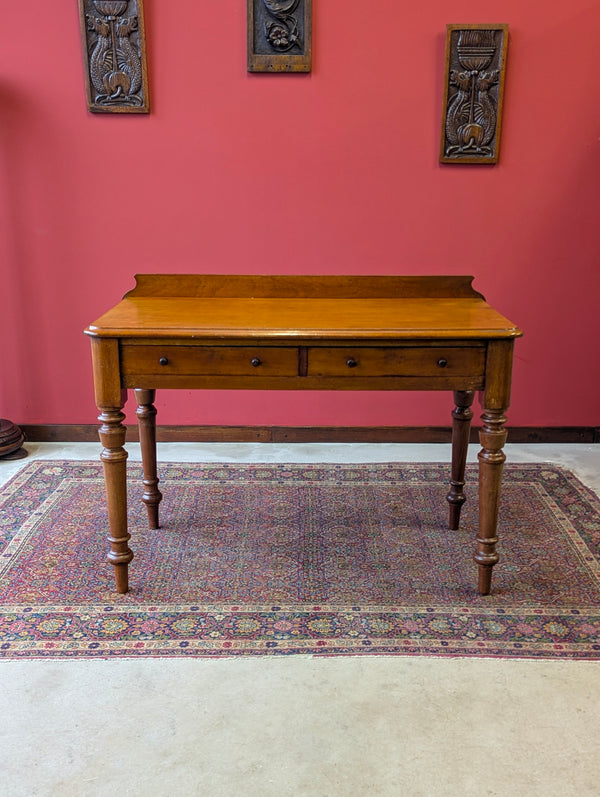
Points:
(174, 306)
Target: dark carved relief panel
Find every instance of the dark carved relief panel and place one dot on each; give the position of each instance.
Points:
(114, 48)
(473, 93)
(279, 35)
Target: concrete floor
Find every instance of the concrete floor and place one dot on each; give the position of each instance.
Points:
(297, 725)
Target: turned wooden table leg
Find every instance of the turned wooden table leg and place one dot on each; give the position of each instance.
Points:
(114, 461)
(146, 415)
(491, 460)
(461, 427)
(492, 435)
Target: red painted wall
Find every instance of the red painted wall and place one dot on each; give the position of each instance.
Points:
(332, 172)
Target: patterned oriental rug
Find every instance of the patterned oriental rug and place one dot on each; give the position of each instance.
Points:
(298, 559)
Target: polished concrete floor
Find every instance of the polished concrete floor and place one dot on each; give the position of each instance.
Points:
(297, 725)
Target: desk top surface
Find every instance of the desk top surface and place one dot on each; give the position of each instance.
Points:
(294, 308)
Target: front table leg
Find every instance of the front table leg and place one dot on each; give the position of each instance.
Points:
(492, 436)
(114, 461)
(146, 415)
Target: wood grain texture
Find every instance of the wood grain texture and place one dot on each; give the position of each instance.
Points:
(326, 286)
(293, 308)
(302, 319)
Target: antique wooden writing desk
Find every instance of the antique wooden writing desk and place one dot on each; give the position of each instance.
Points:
(307, 333)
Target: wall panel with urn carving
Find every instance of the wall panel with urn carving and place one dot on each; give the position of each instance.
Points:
(114, 48)
(473, 93)
(279, 35)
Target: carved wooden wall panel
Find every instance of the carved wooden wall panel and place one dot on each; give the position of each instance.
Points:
(279, 35)
(114, 46)
(473, 93)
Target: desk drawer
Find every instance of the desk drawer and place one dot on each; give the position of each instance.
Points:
(396, 361)
(209, 360)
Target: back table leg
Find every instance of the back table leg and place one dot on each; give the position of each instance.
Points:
(146, 415)
(461, 427)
